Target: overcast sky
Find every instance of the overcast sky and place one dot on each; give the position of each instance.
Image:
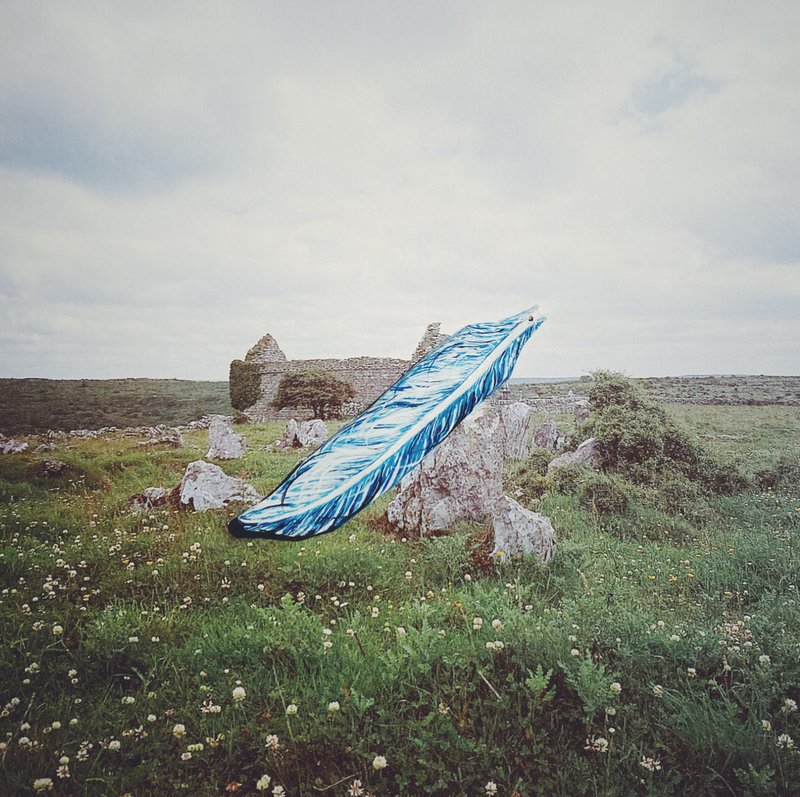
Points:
(177, 179)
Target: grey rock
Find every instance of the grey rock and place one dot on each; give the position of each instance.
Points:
(585, 454)
(149, 498)
(547, 435)
(518, 531)
(207, 486)
(9, 445)
(306, 434)
(223, 441)
(515, 419)
(51, 468)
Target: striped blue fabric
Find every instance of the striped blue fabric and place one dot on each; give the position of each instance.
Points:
(373, 452)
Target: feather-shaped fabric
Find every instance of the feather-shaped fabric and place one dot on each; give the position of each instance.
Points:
(390, 438)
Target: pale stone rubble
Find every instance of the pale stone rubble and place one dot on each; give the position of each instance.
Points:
(207, 486)
(585, 454)
(9, 445)
(306, 434)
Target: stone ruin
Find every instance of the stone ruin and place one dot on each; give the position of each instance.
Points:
(370, 376)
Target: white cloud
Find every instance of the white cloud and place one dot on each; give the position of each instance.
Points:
(177, 183)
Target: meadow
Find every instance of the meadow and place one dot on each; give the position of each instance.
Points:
(153, 654)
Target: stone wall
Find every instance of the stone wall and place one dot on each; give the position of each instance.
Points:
(370, 376)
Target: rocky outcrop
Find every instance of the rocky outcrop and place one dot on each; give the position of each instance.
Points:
(163, 436)
(207, 486)
(223, 441)
(518, 531)
(306, 434)
(585, 454)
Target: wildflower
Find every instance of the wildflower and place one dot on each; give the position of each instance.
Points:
(114, 745)
(239, 694)
(691, 672)
(56, 725)
(333, 705)
(57, 631)
(490, 788)
(355, 789)
(379, 762)
(615, 688)
(597, 744)
(658, 690)
(278, 791)
(650, 764)
(785, 741)
(178, 730)
(575, 652)
(400, 630)
(611, 711)
(291, 709)
(766, 725)
(43, 784)
(128, 700)
(674, 638)
(151, 717)
(63, 771)
(186, 756)
(327, 644)
(477, 623)
(763, 659)
(272, 742)
(262, 784)
(789, 706)
(443, 709)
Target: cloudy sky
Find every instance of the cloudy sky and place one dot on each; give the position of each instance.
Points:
(177, 179)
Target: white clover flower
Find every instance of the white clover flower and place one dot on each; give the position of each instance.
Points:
(766, 725)
(691, 672)
(650, 764)
(262, 784)
(379, 762)
(239, 694)
(611, 711)
(278, 791)
(151, 717)
(114, 745)
(597, 744)
(327, 644)
(615, 688)
(57, 631)
(497, 625)
(128, 700)
(658, 690)
(575, 652)
(789, 706)
(291, 709)
(186, 756)
(490, 788)
(477, 623)
(400, 630)
(272, 742)
(178, 730)
(43, 784)
(333, 705)
(785, 741)
(763, 659)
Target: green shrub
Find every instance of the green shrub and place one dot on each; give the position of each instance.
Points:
(320, 391)
(604, 493)
(245, 384)
(528, 475)
(565, 479)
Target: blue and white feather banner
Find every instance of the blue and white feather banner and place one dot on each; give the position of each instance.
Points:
(373, 452)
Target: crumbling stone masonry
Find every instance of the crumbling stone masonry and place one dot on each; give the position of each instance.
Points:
(370, 376)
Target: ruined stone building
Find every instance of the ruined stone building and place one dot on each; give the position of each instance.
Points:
(370, 376)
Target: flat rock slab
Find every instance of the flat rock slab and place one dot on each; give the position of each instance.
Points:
(585, 454)
(518, 531)
(207, 486)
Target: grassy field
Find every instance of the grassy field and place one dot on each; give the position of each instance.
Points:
(31, 405)
(658, 654)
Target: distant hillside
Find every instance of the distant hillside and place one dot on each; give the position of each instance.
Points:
(759, 389)
(31, 405)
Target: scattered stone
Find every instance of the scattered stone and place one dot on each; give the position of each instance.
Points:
(582, 409)
(51, 468)
(585, 454)
(207, 486)
(518, 531)
(163, 436)
(223, 441)
(150, 498)
(548, 436)
(306, 434)
(515, 419)
(9, 445)
(43, 447)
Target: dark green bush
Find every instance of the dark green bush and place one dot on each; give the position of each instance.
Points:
(604, 493)
(528, 475)
(245, 384)
(565, 479)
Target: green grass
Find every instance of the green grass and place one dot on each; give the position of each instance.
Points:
(164, 615)
(31, 405)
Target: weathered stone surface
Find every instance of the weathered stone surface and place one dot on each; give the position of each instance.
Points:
(461, 480)
(431, 339)
(582, 409)
(585, 454)
(8, 445)
(518, 531)
(223, 441)
(163, 436)
(547, 435)
(150, 498)
(207, 486)
(515, 419)
(307, 434)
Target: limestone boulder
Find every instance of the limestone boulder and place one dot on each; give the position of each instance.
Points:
(223, 441)
(585, 454)
(461, 480)
(149, 499)
(307, 434)
(548, 436)
(515, 419)
(518, 531)
(207, 486)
